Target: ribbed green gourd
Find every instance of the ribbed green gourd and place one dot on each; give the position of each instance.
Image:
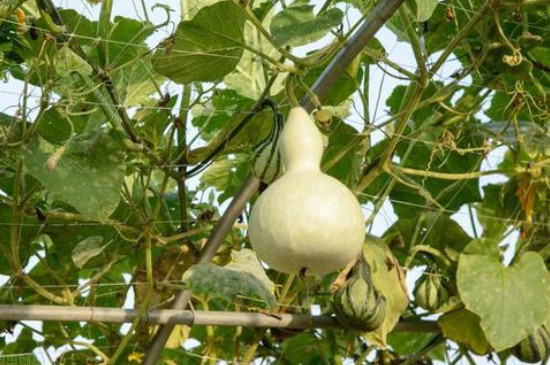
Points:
(357, 304)
(535, 348)
(266, 160)
(431, 291)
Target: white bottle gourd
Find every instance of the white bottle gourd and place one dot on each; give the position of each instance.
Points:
(306, 222)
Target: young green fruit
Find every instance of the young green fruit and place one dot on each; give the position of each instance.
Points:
(306, 221)
(535, 348)
(431, 291)
(357, 304)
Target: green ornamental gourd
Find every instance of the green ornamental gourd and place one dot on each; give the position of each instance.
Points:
(431, 291)
(357, 304)
(306, 222)
(535, 348)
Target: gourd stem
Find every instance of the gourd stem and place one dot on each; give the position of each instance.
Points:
(372, 23)
(289, 89)
(312, 96)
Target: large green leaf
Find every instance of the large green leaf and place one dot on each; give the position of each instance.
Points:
(127, 40)
(462, 326)
(510, 301)
(297, 25)
(88, 175)
(222, 110)
(425, 9)
(249, 77)
(137, 83)
(205, 48)
(243, 278)
(227, 174)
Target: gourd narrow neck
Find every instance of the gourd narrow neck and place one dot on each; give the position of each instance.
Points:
(301, 143)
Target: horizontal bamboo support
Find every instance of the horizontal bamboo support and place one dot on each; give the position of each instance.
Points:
(197, 318)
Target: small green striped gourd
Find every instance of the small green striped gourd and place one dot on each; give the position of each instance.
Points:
(266, 160)
(431, 292)
(357, 304)
(535, 348)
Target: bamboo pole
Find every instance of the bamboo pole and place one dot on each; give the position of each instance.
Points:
(57, 313)
(372, 23)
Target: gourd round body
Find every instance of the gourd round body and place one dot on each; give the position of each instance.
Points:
(306, 221)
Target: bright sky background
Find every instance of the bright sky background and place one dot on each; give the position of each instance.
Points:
(381, 87)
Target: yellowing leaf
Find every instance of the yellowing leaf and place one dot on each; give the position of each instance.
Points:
(178, 335)
(389, 279)
(462, 326)
(135, 357)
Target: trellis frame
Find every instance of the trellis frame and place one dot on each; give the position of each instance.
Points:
(59, 313)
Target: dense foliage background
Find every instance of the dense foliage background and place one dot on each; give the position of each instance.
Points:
(98, 205)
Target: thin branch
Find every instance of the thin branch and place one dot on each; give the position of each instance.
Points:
(460, 36)
(451, 176)
(413, 38)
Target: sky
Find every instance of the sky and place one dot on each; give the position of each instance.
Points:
(381, 87)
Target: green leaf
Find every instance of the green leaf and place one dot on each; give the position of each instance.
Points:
(462, 326)
(511, 301)
(432, 229)
(222, 110)
(23, 346)
(245, 260)
(425, 9)
(57, 125)
(344, 143)
(499, 208)
(205, 48)
(343, 87)
(137, 83)
(88, 175)
(364, 6)
(297, 25)
(305, 348)
(127, 40)
(238, 280)
(404, 343)
(86, 249)
(152, 122)
(226, 174)
(249, 77)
